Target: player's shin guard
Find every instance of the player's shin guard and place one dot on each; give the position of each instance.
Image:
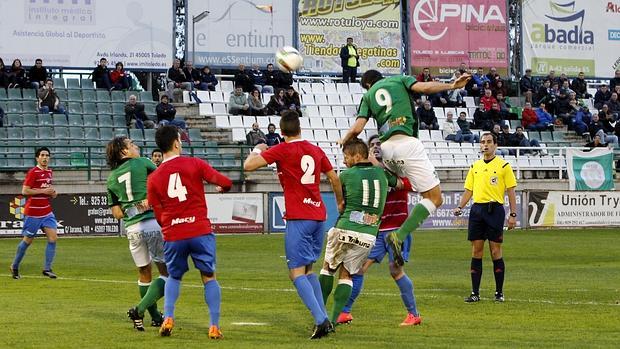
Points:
(50, 252)
(326, 279)
(405, 285)
(419, 213)
(341, 296)
(153, 293)
(19, 255)
(213, 298)
(318, 291)
(171, 292)
(358, 284)
(476, 274)
(305, 292)
(498, 270)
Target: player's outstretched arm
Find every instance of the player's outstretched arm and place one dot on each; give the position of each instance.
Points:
(210, 175)
(354, 131)
(254, 160)
(336, 188)
(432, 87)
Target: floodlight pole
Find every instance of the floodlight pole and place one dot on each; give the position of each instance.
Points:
(195, 20)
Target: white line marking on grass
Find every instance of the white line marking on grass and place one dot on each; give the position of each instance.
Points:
(290, 290)
(249, 323)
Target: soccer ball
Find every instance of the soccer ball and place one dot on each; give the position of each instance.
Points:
(288, 59)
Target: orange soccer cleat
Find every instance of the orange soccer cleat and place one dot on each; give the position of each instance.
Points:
(411, 320)
(215, 332)
(166, 328)
(344, 318)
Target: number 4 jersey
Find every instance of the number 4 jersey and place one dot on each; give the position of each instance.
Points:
(176, 193)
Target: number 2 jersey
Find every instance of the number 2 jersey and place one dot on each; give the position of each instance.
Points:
(127, 187)
(176, 193)
(389, 101)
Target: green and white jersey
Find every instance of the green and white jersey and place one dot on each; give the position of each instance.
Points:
(365, 188)
(127, 187)
(390, 102)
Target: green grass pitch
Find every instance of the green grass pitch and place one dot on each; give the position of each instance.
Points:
(562, 290)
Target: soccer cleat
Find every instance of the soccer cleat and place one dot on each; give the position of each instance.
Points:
(499, 297)
(344, 318)
(138, 320)
(397, 248)
(15, 273)
(473, 298)
(49, 273)
(322, 330)
(159, 321)
(215, 332)
(166, 328)
(411, 320)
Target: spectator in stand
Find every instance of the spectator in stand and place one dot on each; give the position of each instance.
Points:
(562, 78)
(566, 88)
(255, 136)
(596, 143)
(460, 70)
(529, 120)
(552, 78)
(4, 77)
(177, 79)
(48, 99)
(580, 86)
(505, 138)
(166, 114)
(482, 119)
(527, 85)
(101, 75)
(601, 96)
(208, 81)
(238, 102)
(496, 114)
(119, 78)
(192, 75)
(285, 79)
(135, 117)
(259, 80)
(582, 119)
(439, 99)
(277, 103)
(256, 104)
(475, 86)
(562, 108)
(1, 117)
(504, 107)
(17, 75)
(615, 81)
(602, 114)
(499, 88)
(465, 130)
(37, 74)
(350, 60)
(451, 129)
(292, 100)
(596, 128)
(271, 78)
(488, 100)
(497, 131)
(243, 79)
(614, 105)
(424, 76)
(493, 76)
(455, 97)
(609, 124)
(518, 139)
(272, 137)
(574, 109)
(427, 118)
(544, 118)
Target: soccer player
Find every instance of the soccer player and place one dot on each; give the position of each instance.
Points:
(176, 193)
(389, 101)
(299, 166)
(348, 244)
(394, 214)
(127, 198)
(157, 156)
(487, 181)
(38, 213)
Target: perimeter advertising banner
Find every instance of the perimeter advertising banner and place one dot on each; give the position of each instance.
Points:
(236, 213)
(77, 214)
(444, 33)
(574, 209)
(276, 211)
(77, 33)
(374, 25)
(571, 36)
(238, 31)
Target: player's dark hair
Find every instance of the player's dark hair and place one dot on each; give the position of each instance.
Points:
(114, 151)
(156, 150)
(39, 150)
(372, 138)
(492, 136)
(356, 146)
(289, 123)
(165, 137)
(370, 77)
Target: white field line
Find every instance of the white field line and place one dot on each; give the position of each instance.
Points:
(249, 323)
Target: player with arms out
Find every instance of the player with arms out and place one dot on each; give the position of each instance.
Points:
(394, 214)
(348, 244)
(389, 101)
(127, 198)
(38, 213)
(176, 193)
(299, 166)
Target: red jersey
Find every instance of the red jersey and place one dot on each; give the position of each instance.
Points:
(396, 209)
(176, 193)
(38, 205)
(300, 165)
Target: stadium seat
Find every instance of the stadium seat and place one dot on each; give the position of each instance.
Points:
(30, 107)
(316, 123)
(338, 111)
(29, 94)
(220, 109)
(146, 96)
(87, 84)
(305, 122)
(3, 95)
(221, 121)
(317, 87)
(30, 120)
(74, 96)
(91, 133)
(105, 108)
(355, 88)
(248, 121)
(73, 84)
(439, 112)
(546, 136)
(238, 135)
(469, 102)
(304, 88)
(274, 119)
(119, 121)
(76, 133)
(149, 109)
(61, 132)
(118, 108)
(14, 94)
(30, 133)
(263, 122)
(330, 88)
(103, 95)
(436, 135)
(307, 99)
(307, 135)
(321, 99)
(226, 86)
(342, 88)
(75, 120)
(106, 133)
(321, 136)
(136, 135)
(330, 123)
(15, 120)
(60, 120)
(350, 110)
(346, 100)
(333, 135)
(342, 123)
(118, 96)
(59, 83)
(325, 111)
(236, 121)
(13, 106)
(205, 109)
(120, 132)
(312, 111)
(357, 98)
(89, 108)
(105, 120)
(218, 97)
(424, 135)
(333, 99)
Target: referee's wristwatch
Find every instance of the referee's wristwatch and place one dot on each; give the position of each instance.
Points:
(513, 214)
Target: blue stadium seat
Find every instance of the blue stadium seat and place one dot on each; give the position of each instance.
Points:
(87, 84)
(73, 84)
(89, 120)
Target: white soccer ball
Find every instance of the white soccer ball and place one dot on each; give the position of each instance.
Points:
(288, 59)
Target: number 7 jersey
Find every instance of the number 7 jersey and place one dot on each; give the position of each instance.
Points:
(127, 187)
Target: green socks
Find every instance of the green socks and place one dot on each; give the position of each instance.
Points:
(341, 296)
(327, 283)
(419, 213)
(150, 295)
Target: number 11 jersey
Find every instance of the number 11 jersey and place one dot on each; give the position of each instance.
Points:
(300, 165)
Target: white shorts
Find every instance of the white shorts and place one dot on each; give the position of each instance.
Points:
(348, 248)
(407, 157)
(146, 242)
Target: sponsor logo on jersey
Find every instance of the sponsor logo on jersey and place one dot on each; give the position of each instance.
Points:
(175, 221)
(363, 218)
(350, 239)
(310, 202)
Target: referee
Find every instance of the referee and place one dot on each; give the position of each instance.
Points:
(487, 180)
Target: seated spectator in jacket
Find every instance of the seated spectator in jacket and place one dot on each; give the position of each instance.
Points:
(101, 75)
(597, 127)
(519, 140)
(581, 120)
(544, 117)
(277, 104)
(562, 108)
(451, 129)
(271, 78)
(602, 114)
(37, 74)
(255, 136)
(284, 79)
(614, 105)
(596, 143)
(1, 117)
(4, 76)
(166, 114)
(243, 79)
(496, 114)
(259, 80)
(580, 86)
(424, 76)
(256, 104)
(552, 78)
(502, 140)
(529, 120)
(462, 129)
(192, 75)
(48, 99)
(135, 116)
(475, 85)
(272, 137)
(504, 108)
(238, 102)
(17, 75)
(615, 81)
(439, 99)
(119, 78)
(482, 119)
(177, 79)
(565, 87)
(426, 117)
(609, 123)
(488, 100)
(527, 86)
(292, 100)
(499, 88)
(601, 96)
(493, 76)
(208, 81)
